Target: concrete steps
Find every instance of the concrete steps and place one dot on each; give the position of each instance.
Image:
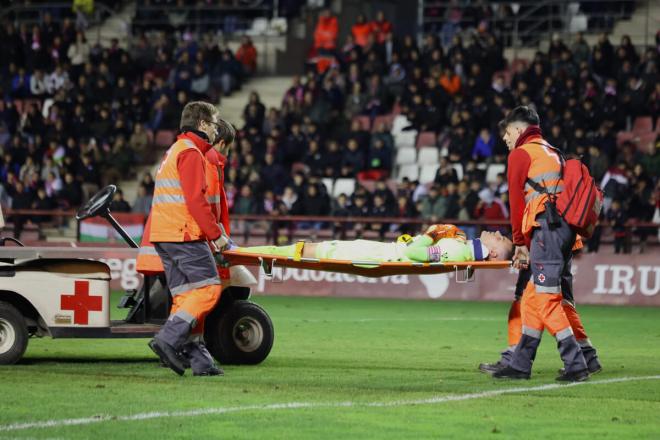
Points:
(117, 26)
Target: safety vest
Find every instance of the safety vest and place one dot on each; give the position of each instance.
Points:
(148, 262)
(544, 170)
(213, 187)
(170, 218)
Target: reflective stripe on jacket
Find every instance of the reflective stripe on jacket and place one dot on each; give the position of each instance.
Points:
(170, 219)
(545, 171)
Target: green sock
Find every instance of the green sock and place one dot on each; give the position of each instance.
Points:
(280, 251)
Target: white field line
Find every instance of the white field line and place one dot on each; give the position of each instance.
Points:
(57, 423)
(410, 319)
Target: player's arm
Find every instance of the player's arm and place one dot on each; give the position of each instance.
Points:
(438, 232)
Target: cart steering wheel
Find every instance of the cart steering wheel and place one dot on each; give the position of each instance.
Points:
(98, 204)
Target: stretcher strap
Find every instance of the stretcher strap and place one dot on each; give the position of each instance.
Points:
(298, 251)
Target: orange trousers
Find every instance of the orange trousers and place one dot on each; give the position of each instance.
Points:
(195, 305)
(515, 322)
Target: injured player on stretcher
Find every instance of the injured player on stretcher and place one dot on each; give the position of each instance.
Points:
(440, 243)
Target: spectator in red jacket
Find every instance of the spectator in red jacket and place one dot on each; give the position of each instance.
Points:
(325, 34)
(381, 27)
(247, 55)
(361, 30)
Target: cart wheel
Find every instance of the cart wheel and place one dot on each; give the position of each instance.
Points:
(13, 334)
(239, 334)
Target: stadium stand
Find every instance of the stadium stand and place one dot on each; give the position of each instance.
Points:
(374, 108)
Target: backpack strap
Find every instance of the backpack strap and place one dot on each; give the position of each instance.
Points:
(562, 161)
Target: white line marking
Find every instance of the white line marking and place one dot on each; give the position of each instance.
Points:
(306, 405)
(440, 318)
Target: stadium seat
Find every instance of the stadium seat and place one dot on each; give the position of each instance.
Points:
(428, 156)
(624, 136)
(646, 142)
(405, 139)
(388, 120)
(578, 23)
(150, 136)
(365, 122)
(426, 139)
(32, 101)
(343, 186)
(329, 183)
(369, 185)
(642, 125)
(406, 156)
(518, 61)
(164, 138)
(259, 27)
(399, 123)
(299, 167)
(279, 25)
(459, 170)
(18, 105)
(409, 171)
(493, 170)
(427, 173)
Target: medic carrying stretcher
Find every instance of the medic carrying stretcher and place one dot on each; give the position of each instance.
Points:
(43, 294)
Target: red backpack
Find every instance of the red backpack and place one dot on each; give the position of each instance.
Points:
(581, 200)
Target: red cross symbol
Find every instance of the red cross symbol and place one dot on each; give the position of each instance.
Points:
(81, 303)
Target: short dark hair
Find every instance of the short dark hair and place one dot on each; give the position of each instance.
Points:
(226, 132)
(196, 111)
(522, 113)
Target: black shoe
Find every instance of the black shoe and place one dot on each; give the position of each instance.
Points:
(213, 371)
(168, 356)
(593, 367)
(579, 376)
(491, 368)
(510, 373)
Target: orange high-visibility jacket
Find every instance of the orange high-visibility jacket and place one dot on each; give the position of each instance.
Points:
(148, 262)
(545, 170)
(361, 33)
(325, 34)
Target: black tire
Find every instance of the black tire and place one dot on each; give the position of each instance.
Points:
(13, 334)
(241, 333)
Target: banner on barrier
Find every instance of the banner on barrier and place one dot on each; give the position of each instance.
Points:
(597, 279)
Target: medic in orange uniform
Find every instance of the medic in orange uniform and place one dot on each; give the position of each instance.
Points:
(183, 226)
(544, 243)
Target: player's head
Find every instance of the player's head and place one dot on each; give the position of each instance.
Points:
(500, 248)
(516, 122)
(201, 116)
(225, 137)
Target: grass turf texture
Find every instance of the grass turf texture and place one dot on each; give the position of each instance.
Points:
(339, 350)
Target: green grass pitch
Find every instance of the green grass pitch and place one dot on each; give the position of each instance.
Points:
(346, 368)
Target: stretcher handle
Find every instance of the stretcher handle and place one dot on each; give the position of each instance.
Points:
(468, 274)
(269, 270)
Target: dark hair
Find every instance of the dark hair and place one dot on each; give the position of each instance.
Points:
(226, 132)
(197, 111)
(521, 113)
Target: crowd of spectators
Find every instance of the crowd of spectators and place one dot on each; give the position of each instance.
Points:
(75, 115)
(584, 96)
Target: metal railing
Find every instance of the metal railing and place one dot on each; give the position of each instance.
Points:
(532, 21)
(270, 228)
(33, 14)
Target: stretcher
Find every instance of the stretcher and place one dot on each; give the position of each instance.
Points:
(464, 270)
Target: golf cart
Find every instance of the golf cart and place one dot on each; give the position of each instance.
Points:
(43, 293)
